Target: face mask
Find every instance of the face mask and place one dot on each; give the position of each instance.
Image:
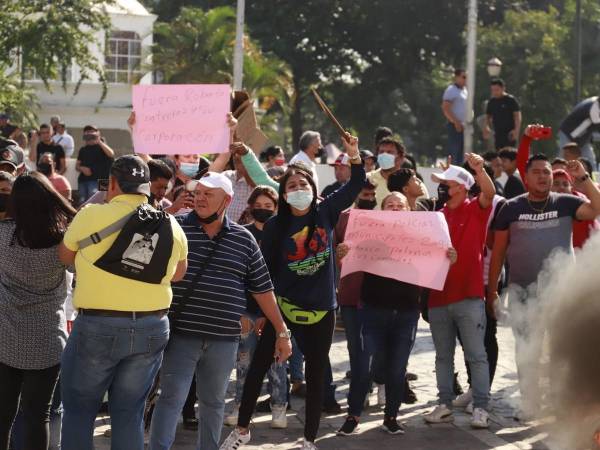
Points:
(3, 202)
(262, 215)
(366, 204)
(280, 162)
(443, 194)
(300, 200)
(188, 169)
(210, 219)
(386, 161)
(44, 168)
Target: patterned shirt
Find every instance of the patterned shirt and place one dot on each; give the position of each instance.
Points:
(33, 329)
(241, 193)
(217, 300)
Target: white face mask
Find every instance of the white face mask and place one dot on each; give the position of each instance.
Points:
(300, 200)
(386, 161)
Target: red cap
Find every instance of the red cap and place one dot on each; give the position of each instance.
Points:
(562, 173)
(342, 160)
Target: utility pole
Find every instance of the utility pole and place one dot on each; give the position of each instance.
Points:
(238, 52)
(471, 60)
(578, 39)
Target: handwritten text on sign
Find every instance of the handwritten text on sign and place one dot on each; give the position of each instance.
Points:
(181, 118)
(405, 246)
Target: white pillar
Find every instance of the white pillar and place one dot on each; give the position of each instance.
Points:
(238, 52)
(471, 59)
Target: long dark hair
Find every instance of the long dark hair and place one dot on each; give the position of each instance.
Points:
(40, 213)
(284, 213)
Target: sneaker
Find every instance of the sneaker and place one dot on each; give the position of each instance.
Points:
(480, 418)
(441, 414)
(235, 440)
(307, 445)
(391, 426)
(232, 418)
(469, 408)
(462, 401)
(349, 427)
(381, 394)
(278, 417)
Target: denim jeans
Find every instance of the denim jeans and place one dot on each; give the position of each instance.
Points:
(296, 363)
(114, 354)
(587, 151)
(468, 318)
(86, 189)
(391, 334)
(212, 360)
(455, 144)
(277, 374)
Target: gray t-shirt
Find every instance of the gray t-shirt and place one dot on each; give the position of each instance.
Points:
(534, 234)
(458, 100)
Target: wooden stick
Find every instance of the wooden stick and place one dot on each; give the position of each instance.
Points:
(328, 112)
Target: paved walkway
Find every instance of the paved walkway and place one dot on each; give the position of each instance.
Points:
(504, 434)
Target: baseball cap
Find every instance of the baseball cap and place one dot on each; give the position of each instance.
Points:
(342, 160)
(455, 173)
(132, 174)
(571, 145)
(562, 173)
(364, 154)
(212, 180)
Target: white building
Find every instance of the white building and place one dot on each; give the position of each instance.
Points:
(128, 52)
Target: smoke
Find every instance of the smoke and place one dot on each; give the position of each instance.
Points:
(557, 336)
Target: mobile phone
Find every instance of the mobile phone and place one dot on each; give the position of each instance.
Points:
(541, 132)
(103, 184)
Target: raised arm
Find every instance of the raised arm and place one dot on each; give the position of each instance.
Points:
(589, 210)
(488, 190)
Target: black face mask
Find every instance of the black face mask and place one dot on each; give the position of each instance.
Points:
(366, 204)
(44, 168)
(4, 202)
(443, 193)
(210, 219)
(262, 215)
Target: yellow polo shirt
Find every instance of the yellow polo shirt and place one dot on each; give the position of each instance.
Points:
(98, 289)
(382, 191)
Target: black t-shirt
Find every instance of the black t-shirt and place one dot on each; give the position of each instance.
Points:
(251, 305)
(502, 110)
(55, 149)
(582, 121)
(93, 156)
(513, 187)
(330, 189)
(381, 292)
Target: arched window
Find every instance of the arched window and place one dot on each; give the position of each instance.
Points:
(123, 57)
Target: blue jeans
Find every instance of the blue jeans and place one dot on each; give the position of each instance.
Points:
(212, 361)
(390, 333)
(468, 318)
(86, 189)
(277, 374)
(114, 354)
(455, 145)
(296, 363)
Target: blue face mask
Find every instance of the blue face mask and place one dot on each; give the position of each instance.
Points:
(386, 161)
(300, 200)
(188, 169)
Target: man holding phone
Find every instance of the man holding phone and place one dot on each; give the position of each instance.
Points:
(93, 162)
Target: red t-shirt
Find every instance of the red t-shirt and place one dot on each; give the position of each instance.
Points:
(582, 228)
(468, 226)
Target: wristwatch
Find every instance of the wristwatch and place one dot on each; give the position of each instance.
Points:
(287, 334)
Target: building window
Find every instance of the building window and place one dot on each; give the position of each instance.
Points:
(123, 57)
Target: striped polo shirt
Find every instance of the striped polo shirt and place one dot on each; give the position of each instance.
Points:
(217, 301)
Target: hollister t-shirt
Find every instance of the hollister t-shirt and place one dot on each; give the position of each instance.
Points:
(536, 230)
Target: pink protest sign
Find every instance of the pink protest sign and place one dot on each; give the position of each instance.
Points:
(405, 246)
(181, 119)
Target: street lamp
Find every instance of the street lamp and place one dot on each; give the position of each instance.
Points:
(494, 67)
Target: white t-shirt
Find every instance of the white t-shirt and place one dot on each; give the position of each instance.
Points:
(66, 141)
(305, 159)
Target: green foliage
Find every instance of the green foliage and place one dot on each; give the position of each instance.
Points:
(20, 101)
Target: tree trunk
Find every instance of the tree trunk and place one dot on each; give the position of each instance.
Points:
(296, 114)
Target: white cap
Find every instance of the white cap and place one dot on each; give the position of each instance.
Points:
(212, 180)
(455, 173)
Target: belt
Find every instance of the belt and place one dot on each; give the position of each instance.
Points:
(129, 314)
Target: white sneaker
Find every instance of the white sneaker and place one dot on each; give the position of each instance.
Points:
(441, 414)
(381, 394)
(235, 440)
(463, 400)
(480, 418)
(307, 445)
(232, 419)
(278, 417)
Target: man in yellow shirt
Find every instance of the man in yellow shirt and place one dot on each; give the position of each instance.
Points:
(390, 156)
(122, 328)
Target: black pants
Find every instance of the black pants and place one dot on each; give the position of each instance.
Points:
(491, 348)
(314, 342)
(33, 389)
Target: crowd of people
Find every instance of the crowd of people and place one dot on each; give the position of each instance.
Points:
(174, 271)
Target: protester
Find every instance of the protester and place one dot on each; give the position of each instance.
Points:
(529, 229)
(93, 162)
(64, 139)
(454, 107)
(380, 133)
(369, 160)
(6, 183)
(580, 125)
(206, 316)
(571, 151)
(460, 306)
(7, 129)
(405, 181)
(47, 167)
(514, 185)
(389, 315)
(161, 181)
(341, 168)
(274, 158)
(298, 247)
(390, 156)
(41, 142)
(121, 328)
(559, 164)
(310, 148)
(32, 316)
(503, 114)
